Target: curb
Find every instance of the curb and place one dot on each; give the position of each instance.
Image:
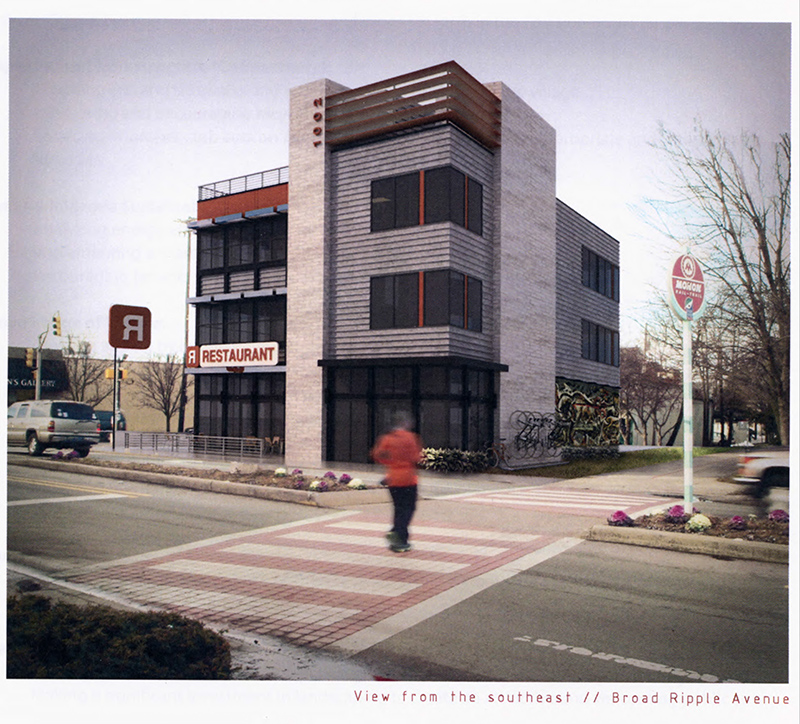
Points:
(734, 548)
(335, 499)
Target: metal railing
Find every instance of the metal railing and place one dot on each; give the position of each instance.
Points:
(251, 182)
(183, 444)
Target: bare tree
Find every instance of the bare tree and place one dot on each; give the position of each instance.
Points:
(650, 395)
(160, 386)
(735, 210)
(86, 376)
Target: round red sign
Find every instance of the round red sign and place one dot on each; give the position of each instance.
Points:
(687, 287)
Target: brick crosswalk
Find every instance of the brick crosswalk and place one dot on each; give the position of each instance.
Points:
(564, 501)
(324, 582)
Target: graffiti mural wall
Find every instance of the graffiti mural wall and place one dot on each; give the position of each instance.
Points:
(588, 414)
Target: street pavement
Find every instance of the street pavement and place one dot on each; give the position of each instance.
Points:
(330, 584)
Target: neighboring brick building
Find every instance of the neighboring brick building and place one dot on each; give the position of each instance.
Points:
(56, 385)
(417, 260)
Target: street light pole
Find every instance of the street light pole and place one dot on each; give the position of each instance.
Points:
(182, 406)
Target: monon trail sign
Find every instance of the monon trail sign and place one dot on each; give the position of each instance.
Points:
(687, 295)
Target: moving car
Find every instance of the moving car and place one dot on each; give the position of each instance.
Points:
(42, 424)
(104, 416)
(764, 470)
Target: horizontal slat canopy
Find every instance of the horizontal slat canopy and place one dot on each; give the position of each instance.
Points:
(444, 92)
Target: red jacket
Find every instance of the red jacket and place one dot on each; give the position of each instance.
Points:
(400, 451)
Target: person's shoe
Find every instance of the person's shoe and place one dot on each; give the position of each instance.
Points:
(401, 547)
(393, 538)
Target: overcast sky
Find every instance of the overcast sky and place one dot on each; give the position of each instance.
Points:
(114, 123)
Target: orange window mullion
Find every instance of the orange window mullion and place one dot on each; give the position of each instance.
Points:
(421, 314)
(421, 199)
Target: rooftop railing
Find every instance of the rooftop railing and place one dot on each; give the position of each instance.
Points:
(240, 184)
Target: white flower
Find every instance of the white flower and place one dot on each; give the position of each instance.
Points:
(698, 523)
(280, 473)
(356, 484)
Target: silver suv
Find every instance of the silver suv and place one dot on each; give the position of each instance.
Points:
(42, 424)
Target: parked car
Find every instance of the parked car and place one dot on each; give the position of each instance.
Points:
(764, 470)
(104, 416)
(42, 424)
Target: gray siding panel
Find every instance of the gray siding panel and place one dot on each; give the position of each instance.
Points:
(575, 302)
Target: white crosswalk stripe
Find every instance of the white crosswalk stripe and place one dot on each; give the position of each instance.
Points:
(445, 532)
(432, 546)
(303, 579)
(566, 500)
(359, 559)
(227, 602)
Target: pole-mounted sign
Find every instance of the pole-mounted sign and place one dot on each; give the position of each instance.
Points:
(687, 288)
(128, 328)
(687, 293)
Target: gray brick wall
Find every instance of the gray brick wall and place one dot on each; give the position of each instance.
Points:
(307, 261)
(525, 259)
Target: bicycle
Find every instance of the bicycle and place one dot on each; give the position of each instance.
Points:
(496, 455)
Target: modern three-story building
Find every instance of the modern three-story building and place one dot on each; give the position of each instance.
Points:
(412, 257)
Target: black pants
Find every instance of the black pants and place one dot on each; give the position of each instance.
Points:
(405, 502)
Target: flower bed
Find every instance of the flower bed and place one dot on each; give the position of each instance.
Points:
(772, 529)
(278, 478)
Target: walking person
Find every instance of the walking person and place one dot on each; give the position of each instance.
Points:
(400, 451)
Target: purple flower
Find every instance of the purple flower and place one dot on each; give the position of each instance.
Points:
(737, 523)
(297, 471)
(779, 516)
(345, 479)
(677, 514)
(620, 518)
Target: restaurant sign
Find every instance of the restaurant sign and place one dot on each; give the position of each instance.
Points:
(246, 354)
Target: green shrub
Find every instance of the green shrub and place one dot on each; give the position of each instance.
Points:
(61, 641)
(451, 460)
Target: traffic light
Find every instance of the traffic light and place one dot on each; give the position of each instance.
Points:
(30, 360)
(122, 374)
(57, 324)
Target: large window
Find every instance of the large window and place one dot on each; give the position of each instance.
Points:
(427, 197)
(247, 405)
(599, 343)
(250, 320)
(600, 274)
(230, 255)
(426, 299)
(452, 406)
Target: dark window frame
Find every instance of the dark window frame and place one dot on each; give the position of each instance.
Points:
(432, 298)
(242, 246)
(599, 343)
(431, 196)
(599, 274)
